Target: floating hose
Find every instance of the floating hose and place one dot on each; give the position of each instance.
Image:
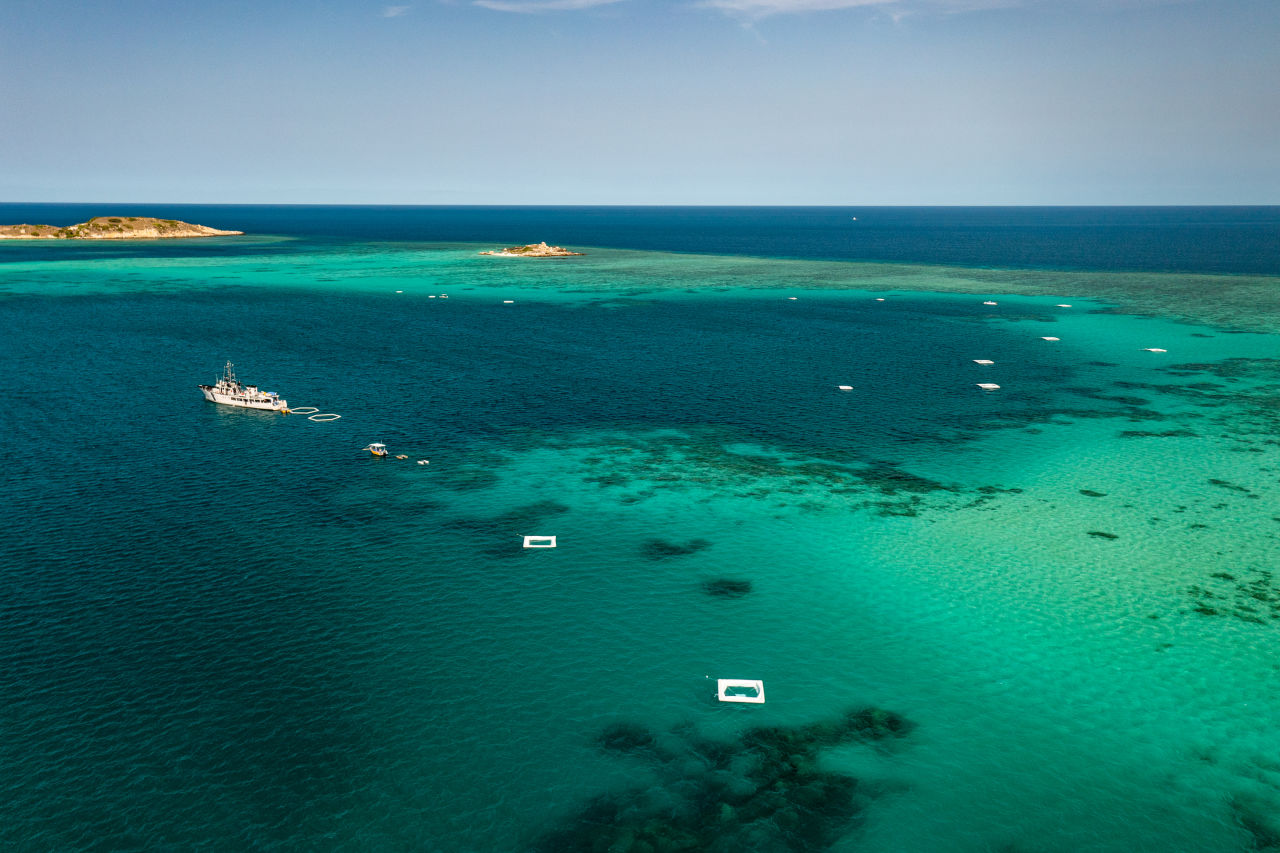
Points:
(323, 418)
(304, 410)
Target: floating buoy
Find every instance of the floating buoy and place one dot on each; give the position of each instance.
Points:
(1062, 305)
(983, 361)
(792, 298)
(1049, 338)
(990, 303)
(401, 456)
(1154, 349)
(988, 386)
(507, 301)
(399, 291)
(432, 296)
(844, 387)
(879, 299)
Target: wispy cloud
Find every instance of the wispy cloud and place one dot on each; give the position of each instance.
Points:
(394, 11)
(754, 10)
(534, 7)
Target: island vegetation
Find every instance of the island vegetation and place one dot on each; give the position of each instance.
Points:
(533, 250)
(113, 228)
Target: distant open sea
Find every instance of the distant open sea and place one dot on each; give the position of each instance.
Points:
(1039, 618)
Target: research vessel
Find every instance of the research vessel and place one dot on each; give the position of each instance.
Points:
(230, 392)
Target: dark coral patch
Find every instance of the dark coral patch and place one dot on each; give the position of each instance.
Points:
(1169, 433)
(627, 738)
(762, 792)
(660, 549)
(499, 536)
(726, 588)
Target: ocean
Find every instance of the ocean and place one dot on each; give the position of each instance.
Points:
(1038, 618)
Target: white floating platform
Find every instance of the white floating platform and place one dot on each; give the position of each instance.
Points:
(742, 690)
(792, 298)
(1062, 305)
(539, 541)
(1049, 338)
(432, 296)
(844, 387)
(399, 291)
(424, 462)
(989, 302)
(983, 361)
(988, 386)
(879, 299)
(508, 301)
(1154, 349)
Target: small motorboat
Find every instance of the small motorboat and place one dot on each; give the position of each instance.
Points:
(377, 449)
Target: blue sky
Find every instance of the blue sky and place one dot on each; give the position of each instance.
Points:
(845, 102)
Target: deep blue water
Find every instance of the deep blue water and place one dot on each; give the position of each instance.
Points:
(1160, 239)
(232, 630)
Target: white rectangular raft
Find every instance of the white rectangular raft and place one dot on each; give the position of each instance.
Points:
(539, 541)
(724, 685)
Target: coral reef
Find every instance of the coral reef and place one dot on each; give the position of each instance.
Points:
(762, 792)
(1248, 595)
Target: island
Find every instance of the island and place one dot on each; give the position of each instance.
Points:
(533, 250)
(113, 228)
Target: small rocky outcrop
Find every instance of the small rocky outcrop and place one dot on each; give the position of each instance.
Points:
(533, 250)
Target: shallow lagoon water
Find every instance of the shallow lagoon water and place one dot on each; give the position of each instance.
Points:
(231, 629)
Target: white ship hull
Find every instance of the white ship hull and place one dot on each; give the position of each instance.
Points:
(272, 405)
(230, 392)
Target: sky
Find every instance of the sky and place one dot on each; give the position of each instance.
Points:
(787, 102)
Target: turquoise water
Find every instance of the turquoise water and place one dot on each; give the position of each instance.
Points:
(1036, 619)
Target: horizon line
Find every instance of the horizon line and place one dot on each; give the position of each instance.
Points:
(645, 205)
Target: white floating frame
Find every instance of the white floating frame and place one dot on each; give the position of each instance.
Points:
(539, 541)
(723, 685)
